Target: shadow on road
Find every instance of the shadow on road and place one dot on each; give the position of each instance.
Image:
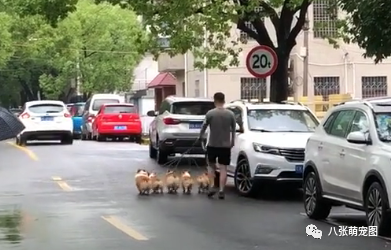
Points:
(10, 225)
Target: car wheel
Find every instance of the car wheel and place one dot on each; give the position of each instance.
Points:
(243, 182)
(89, 136)
(67, 140)
(376, 207)
(314, 205)
(83, 136)
(100, 137)
(137, 139)
(152, 151)
(161, 156)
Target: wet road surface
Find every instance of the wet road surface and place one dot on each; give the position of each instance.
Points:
(83, 197)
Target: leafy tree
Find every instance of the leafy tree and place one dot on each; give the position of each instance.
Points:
(100, 43)
(185, 22)
(5, 38)
(368, 25)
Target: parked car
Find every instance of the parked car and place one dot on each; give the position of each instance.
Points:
(91, 109)
(269, 145)
(176, 127)
(76, 110)
(16, 111)
(347, 162)
(46, 120)
(117, 121)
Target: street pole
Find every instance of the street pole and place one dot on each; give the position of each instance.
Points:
(306, 91)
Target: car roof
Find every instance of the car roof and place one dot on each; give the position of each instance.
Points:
(276, 106)
(100, 96)
(188, 99)
(31, 103)
(118, 104)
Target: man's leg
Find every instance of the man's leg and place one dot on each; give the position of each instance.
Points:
(211, 160)
(224, 160)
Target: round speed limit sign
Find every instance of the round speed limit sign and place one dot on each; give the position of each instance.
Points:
(261, 61)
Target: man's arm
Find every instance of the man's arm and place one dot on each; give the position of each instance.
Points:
(205, 125)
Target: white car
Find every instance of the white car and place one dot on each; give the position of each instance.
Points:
(347, 162)
(45, 120)
(177, 126)
(270, 148)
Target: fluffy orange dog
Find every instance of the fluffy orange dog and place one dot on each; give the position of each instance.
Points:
(187, 182)
(203, 183)
(172, 182)
(156, 184)
(142, 181)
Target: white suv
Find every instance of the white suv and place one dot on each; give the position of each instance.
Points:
(45, 120)
(177, 126)
(348, 162)
(270, 145)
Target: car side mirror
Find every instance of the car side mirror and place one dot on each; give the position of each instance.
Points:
(151, 113)
(357, 138)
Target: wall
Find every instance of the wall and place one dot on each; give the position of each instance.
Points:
(145, 72)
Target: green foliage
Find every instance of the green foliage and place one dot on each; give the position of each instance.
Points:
(186, 21)
(104, 41)
(368, 25)
(45, 52)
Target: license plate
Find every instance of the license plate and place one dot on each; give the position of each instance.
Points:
(120, 127)
(47, 118)
(299, 169)
(195, 125)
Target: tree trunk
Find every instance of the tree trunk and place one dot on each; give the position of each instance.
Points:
(279, 79)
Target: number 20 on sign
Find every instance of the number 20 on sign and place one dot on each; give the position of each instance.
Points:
(261, 61)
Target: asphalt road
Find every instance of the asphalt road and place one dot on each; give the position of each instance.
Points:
(82, 197)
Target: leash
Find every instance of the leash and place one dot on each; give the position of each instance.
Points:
(174, 163)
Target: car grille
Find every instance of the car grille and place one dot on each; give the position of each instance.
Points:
(293, 155)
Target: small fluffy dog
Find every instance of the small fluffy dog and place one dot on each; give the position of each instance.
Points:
(142, 181)
(187, 182)
(172, 182)
(156, 184)
(203, 183)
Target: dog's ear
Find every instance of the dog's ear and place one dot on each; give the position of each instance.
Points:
(138, 170)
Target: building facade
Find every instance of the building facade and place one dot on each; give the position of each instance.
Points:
(331, 71)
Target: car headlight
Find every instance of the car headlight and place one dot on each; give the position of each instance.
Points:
(265, 149)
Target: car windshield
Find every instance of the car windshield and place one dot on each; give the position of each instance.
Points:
(46, 108)
(278, 120)
(383, 121)
(119, 109)
(99, 102)
(78, 110)
(192, 108)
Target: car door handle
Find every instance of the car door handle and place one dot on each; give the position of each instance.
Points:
(342, 153)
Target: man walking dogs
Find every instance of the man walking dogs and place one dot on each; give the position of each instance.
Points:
(222, 124)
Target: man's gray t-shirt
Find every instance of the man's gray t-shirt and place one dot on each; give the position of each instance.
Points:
(222, 125)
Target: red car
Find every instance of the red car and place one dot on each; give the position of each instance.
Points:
(117, 120)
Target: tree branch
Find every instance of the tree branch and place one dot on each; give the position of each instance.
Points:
(291, 42)
(272, 14)
(286, 19)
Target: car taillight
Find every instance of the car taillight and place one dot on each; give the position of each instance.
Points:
(171, 121)
(90, 118)
(25, 116)
(67, 115)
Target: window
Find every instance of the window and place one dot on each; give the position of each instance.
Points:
(342, 123)
(244, 37)
(46, 108)
(192, 108)
(326, 86)
(360, 123)
(183, 89)
(383, 122)
(276, 120)
(197, 88)
(78, 110)
(238, 115)
(252, 88)
(165, 106)
(99, 102)
(329, 122)
(373, 86)
(119, 109)
(325, 13)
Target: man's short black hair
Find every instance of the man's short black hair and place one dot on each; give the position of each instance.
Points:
(219, 97)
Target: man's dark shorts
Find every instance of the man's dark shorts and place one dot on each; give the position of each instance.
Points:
(219, 155)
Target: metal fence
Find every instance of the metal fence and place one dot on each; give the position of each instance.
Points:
(145, 122)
